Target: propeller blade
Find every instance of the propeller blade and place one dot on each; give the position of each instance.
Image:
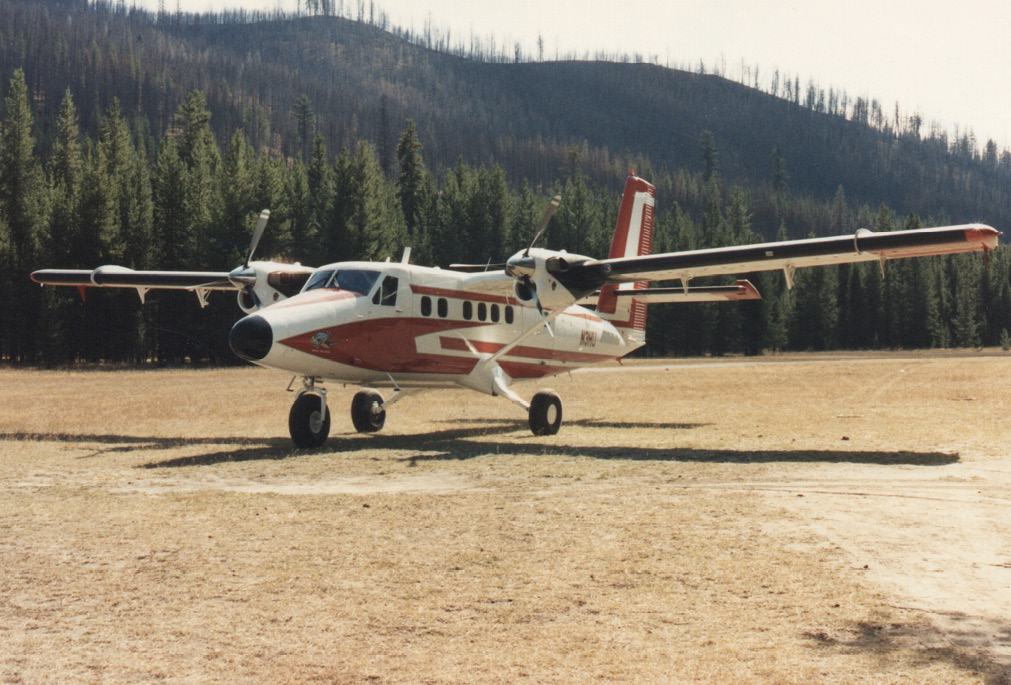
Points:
(252, 296)
(537, 301)
(550, 212)
(257, 234)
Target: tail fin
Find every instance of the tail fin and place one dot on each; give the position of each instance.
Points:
(633, 237)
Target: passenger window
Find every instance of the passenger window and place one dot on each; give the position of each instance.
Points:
(443, 307)
(509, 314)
(386, 294)
(494, 313)
(468, 310)
(426, 306)
(482, 311)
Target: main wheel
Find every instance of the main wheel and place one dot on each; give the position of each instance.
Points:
(309, 421)
(366, 411)
(545, 413)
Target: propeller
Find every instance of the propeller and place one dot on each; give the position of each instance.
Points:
(522, 268)
(545, 220)
(244, 276)
(532, 288)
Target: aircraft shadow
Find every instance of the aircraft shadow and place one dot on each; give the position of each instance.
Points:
(471, 449)
(464, 444)
(589, 423)
(475, 440)
(265, 448)
(972, 657)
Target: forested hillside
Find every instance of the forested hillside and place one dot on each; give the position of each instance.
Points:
(153, 141)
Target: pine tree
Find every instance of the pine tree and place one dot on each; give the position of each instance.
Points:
(100, 243)
(452, 235)
(414, 190)
(710, 156)
(23, 206)
(779, 175)
(321, 192)
(238, 211)
(200, 156)
(61, 326)
(575, 222)
(305, 124)
(966, 323)
(66, 171)
(298, 215)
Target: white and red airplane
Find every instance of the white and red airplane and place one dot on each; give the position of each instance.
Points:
(402, 326)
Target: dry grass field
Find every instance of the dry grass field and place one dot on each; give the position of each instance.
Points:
(827, 519)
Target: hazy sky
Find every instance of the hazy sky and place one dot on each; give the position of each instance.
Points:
(950, 61)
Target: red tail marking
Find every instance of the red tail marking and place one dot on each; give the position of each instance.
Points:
(633, 237)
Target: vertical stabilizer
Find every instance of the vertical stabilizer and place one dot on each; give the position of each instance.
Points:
(633, 237)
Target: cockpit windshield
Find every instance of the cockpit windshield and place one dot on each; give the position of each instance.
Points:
(356, 280)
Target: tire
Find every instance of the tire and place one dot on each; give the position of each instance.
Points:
(362, 415)
(545, 413)
(307, 428)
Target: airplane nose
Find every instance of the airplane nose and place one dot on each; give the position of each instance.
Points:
(251, 338)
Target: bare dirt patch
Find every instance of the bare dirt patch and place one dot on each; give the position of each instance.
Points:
(824, 518)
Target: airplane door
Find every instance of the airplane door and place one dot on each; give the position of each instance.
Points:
(384, 338)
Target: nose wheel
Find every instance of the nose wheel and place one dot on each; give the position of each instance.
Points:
(309, 420)
(367, 413)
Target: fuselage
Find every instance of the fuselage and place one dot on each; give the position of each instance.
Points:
(376, 324)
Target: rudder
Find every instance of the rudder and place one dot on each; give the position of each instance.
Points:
(633, 237)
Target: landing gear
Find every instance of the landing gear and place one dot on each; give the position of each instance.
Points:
(367, 413)
(309, 420)
(545, 413)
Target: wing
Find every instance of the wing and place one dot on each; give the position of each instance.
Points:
(496, 283)
(863, 246)
(260, 284)
(122, 277)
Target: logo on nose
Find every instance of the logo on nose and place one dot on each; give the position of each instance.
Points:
(322, 340)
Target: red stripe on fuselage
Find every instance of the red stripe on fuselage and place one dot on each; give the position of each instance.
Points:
(540, 353)
(383, 345)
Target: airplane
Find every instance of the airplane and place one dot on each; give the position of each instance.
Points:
(544, 312)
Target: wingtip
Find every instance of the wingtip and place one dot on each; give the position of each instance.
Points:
(986, 236)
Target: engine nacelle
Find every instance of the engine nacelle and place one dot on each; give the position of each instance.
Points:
(543, 270)
(266, 283)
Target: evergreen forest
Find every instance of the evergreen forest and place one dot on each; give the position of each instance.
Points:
(153, 140)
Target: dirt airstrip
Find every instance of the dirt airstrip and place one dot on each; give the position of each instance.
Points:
(828, 518)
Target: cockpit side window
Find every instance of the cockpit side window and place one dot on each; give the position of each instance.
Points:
(318, 280)
(387, 294)
(355, 280)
